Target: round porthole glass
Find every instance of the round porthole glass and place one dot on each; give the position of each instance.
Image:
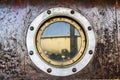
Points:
(60, 41)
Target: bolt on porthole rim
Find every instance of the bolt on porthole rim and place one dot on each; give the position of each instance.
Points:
(31, 28)
(31, 52)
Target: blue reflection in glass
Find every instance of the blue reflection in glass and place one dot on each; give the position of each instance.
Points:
(58, 29)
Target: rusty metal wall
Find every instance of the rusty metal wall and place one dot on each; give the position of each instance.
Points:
(16, 16)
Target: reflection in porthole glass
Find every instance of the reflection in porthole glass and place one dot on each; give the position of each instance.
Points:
(60, 41)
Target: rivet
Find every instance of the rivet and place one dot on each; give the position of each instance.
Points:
(31, 52)
(49, 12)
(89, 28)
(31, 28)
(90, 51)
(72, 12)
(49, 70)
(74, 70)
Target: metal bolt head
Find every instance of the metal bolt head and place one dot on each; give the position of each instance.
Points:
(90, 51)
(31, 28)
(31, 52)
(74, 70)
(49, 70)
(72, 12)
(48, 12)
(89, 28)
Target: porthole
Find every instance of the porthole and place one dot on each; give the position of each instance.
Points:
(62, 41)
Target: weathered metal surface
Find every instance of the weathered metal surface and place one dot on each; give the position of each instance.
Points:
(16, 16)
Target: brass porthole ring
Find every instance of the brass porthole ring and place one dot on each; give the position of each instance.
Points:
(81, 43)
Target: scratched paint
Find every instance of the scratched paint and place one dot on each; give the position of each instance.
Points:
(16, 16)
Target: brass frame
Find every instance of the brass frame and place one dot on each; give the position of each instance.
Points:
(84, 41)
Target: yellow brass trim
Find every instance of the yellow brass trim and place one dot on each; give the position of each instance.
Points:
(56, 63)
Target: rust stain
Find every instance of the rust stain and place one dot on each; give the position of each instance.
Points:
(117, 3)
(19, 2)
(89, 3)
